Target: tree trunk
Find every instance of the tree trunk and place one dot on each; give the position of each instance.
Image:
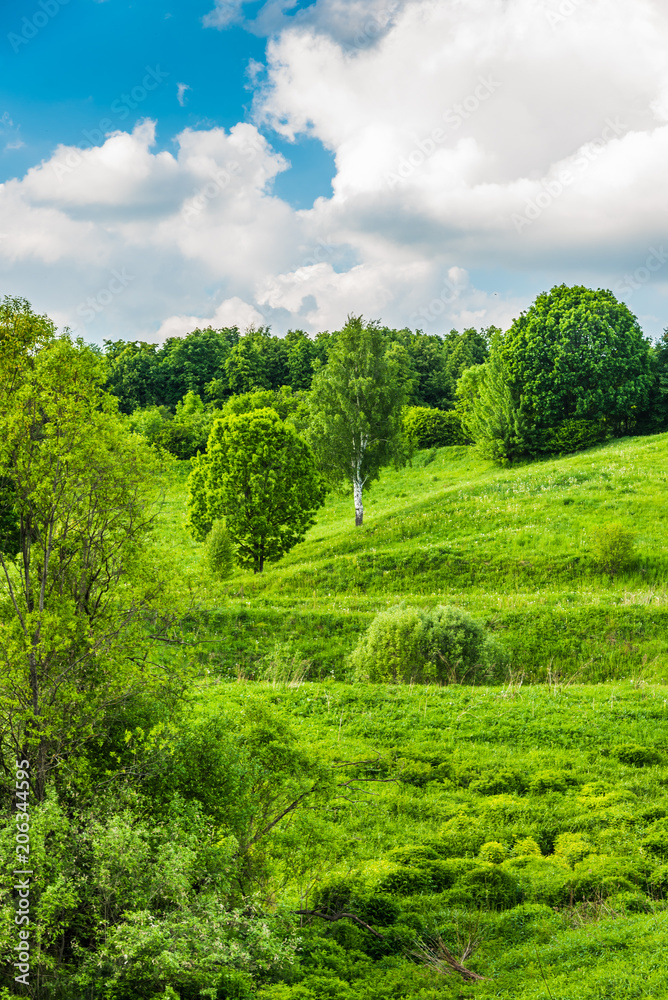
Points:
(359, 506)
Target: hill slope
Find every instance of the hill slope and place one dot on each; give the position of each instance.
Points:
(512, 545)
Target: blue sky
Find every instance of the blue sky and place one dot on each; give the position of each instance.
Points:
(426, 164)
(60, 85)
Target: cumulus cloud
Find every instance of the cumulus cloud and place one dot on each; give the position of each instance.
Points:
(497, 146)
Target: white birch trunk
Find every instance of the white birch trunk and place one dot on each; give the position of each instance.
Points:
(358, 485)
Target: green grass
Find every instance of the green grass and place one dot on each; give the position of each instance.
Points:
(511, 545)
(579, 767)
(461, 767)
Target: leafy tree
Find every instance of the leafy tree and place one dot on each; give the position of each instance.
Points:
(77, 505)
(576, 353)
(134, 374)
(301, 357)
(356, 403)
(245, 368)
(261, 478)
(488, 411)
(189, 364)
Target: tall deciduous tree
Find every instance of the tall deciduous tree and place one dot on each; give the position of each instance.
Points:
(575, 354)
(75, 508)
(356, 402)
(261, 478)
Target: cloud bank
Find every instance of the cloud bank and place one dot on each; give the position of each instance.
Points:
(484, 151)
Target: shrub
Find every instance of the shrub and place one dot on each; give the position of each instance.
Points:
(427, 428)
(612, 546)
(220, 551)
(444, 645)
(405, 881)
(525, 847)
(636, 755)
(541, 880)
(572, 847)
(492, 852)
(631, 901)
(548, 781)
(488, 885)
(497, 782)
(379, 910)
(574, 435)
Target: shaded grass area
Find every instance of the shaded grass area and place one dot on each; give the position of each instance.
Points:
(513, 546)
(443, 775)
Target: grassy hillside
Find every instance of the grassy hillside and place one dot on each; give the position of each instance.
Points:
(529, 822)
(511, 545)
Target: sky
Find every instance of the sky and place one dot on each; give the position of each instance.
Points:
(432, 164)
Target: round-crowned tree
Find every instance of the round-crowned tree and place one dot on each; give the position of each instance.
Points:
(261, 478)
(575, 354)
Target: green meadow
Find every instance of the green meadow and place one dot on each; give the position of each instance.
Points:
(518, 828)
(511, 545)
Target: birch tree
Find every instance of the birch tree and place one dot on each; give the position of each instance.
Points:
(356, 403)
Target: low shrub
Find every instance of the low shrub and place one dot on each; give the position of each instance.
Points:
(636, 755)
(612, 546)
(492, 852)
(220, 551)
(445, 645)
(574, 435)
(488, 885)
(427, 428)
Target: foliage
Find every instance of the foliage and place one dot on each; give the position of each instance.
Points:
(261, 477)
(433, 428)
(356, 402)
(406, 644)
(612, 546)
(79, 503)
(182, 434)
(575, 354)
(220, 551)
(143, 375)
(489, 412)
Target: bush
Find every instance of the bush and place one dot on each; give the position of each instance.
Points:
(445, 645)
(574, 435)
(220, 551)
(612, 546)
(492, 852)
(635, 755)
(488, 885)
(427, 428)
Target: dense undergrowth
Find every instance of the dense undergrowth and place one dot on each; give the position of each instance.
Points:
(513, 546)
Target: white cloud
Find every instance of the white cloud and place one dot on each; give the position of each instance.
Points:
(481, 148)
(181, 93)
(230, 312)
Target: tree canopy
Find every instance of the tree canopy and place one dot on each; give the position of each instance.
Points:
(261, 478)
(573, 367)
(356, 402)
(76, 499)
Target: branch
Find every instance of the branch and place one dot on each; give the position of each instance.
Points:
(441, 959)
(333, 917)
